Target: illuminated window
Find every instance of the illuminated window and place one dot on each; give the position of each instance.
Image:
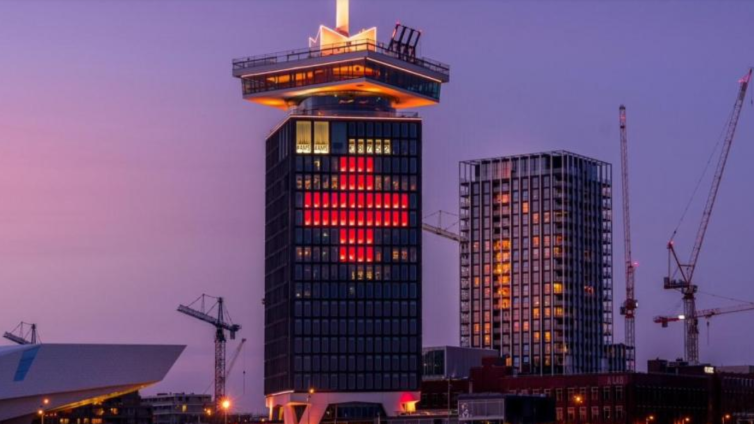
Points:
(378, 146)
(351, 145)
(370, 146)
(303, 137)
(321, 137)
(386, 146)
(361, 149)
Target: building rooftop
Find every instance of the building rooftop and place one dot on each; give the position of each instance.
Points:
(347, 67)
(253, 64)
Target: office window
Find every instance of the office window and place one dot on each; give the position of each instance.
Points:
(321, 137)
(303, 137)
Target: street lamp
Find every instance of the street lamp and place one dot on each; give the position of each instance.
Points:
(578, 399)
(41, 410)
(225, 405)
(649, 418)
(687, 419)
(726, 417)
(309, 406)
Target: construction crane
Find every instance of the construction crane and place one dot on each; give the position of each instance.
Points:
(233, 360)
(232, 363)
(222, 323)
(685, 284)
(439, 229)
(23, 334)
(705, 313)
(629, 306)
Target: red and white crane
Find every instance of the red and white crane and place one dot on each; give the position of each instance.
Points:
(628, 309)
(685, 271)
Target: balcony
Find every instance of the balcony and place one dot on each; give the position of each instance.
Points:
(366, 67)
(286, 57)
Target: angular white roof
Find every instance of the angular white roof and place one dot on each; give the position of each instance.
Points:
(76, 374)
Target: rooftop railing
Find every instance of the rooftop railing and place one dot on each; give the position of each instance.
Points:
(354, 113)
(336, 49)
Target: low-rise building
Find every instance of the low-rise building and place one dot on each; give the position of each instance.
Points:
(671, 393)
(451, 362)
(126, 409)
(180, 408)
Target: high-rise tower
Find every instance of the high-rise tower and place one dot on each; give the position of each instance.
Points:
(343, 275)
(536, 262)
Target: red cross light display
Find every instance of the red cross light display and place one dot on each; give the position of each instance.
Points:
(356, 208)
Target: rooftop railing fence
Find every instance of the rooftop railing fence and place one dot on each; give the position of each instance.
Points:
(336, 49)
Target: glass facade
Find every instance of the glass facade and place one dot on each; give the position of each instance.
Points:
(343, 255)
(536, 261)
(354, 69)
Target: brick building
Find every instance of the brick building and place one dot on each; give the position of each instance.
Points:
(670, 393)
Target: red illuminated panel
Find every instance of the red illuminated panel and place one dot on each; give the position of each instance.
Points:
(358, 207)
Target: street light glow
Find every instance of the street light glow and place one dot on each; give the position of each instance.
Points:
(226, 404)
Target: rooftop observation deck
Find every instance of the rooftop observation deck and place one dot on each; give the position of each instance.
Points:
(284, 78)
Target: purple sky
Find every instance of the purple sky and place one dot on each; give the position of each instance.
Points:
(131, 172)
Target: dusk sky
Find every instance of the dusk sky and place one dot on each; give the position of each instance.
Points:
(131, 170)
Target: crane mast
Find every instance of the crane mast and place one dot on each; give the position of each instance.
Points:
(629, 305)
(221, 325)
(686, 271)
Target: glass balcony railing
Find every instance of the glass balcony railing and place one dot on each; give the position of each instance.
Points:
(336, 49)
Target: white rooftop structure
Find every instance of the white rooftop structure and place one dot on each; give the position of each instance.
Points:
(71, 375)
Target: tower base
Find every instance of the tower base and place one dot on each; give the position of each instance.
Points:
(331, 407)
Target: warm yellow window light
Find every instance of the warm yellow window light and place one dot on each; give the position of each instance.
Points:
(303, 137)
(321, 137)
